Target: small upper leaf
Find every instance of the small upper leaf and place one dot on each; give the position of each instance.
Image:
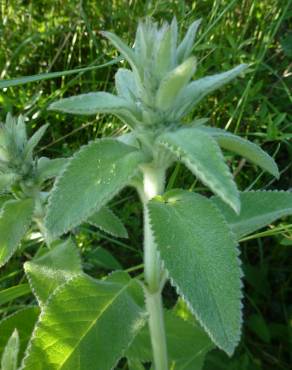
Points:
(92, 177)
(185, 47)
(15, 218)
(244, 148)
(202, 155)
(106, 220)
(86, 324)
(49, 271)
(124, 49)
(173, 82)
(125, 84)
(49, 168)
(200, 254)
(10, 354)
(198, 89)
(258, 209)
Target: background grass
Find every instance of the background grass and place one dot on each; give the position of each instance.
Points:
(48, 36)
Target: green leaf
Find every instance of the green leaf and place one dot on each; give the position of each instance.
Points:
(198, 89)
(187, 344)
(124, 49)
(49, 168)
(106, 220)
(54, 268)
(22, 320)
(15, 220)
(83, 326)
(193, 240)
(92, 177)
(34, 140)
(185, 47)
(92, 103)
(6, 180)
(10, 354)
(165, 56)
(203, 157)
(244, 148)
(9, 294)
(173, 82)
(126, 84)
(103, 258)
(258, 209)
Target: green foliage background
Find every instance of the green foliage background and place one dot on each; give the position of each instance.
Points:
(47, 36)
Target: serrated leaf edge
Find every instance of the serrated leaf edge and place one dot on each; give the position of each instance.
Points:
(25, 228)
(44, 310)
(200, 173)
(180, 293)
(50, 235)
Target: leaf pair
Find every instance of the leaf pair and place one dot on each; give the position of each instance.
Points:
(194, 237)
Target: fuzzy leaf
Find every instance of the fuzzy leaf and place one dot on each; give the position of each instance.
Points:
(173, 82)
(92, 103)
(185, 47)
(258, 209)
(199, 253)
(166, 52)
(187, 344)
(6, 180)
(78, 325)
(34, 140)
(244, 148)
(125, 84)
(198, 89)
(22, 320)
(106, 220)
(15, 219)
(124, 49)
(10, 354)
(49, 168)
(54, 268)
(93, 176)
(201, 154)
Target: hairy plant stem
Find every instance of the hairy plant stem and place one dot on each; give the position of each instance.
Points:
(153, 184)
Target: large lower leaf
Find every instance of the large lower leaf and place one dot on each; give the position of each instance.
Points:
(15, 218)
(86, 324)
(201, 257)
(244, 148)
(187, 344)
(202, 155)
(92, 177)
(258, 209)
(22, 320)
(47, 272)
(107, 221)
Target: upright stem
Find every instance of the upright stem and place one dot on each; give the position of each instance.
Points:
(154, 185)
